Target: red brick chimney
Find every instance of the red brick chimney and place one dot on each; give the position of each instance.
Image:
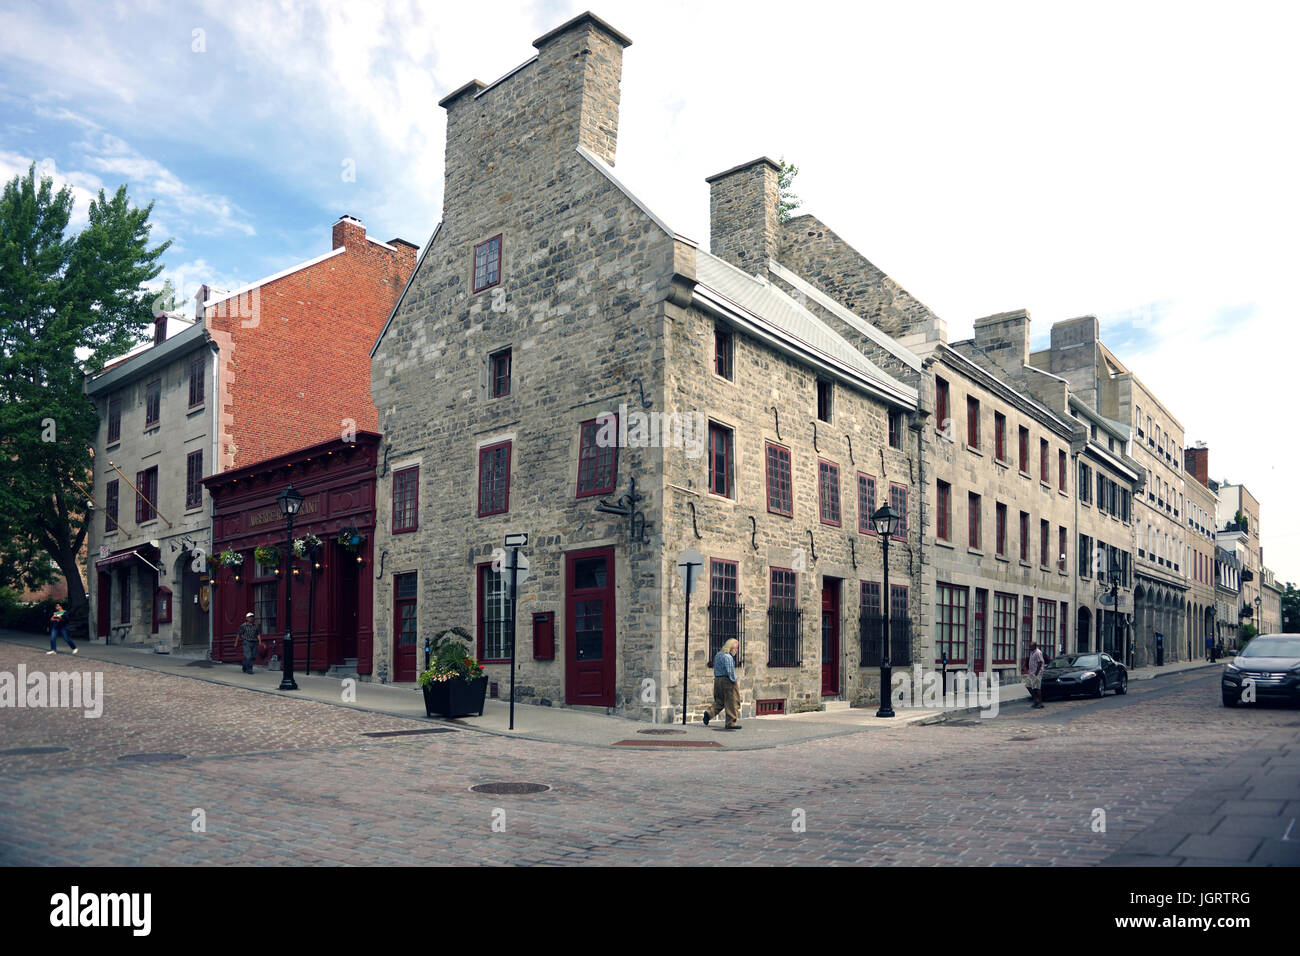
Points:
(1197, 462)
(349, 231)
(160, 329)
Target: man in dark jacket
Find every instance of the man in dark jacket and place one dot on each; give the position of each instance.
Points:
(251, 639)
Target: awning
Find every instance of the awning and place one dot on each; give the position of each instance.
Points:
(121, 558)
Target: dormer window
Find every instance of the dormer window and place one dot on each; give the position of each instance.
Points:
(487, 264)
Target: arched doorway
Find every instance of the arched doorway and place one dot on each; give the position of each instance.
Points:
(1083, 631)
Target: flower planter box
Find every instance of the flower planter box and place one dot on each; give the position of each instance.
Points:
(455, 697)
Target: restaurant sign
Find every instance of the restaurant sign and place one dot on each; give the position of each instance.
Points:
(272, 515)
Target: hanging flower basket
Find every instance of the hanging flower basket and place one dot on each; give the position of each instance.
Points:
(268, 556)
(351, 539)
(231, 559)
(305, 545)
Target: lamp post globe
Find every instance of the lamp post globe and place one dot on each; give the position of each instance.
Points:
(289, 500)
(885, 521)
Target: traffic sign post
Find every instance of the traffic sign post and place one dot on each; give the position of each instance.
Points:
(687, 562)
(518, 575)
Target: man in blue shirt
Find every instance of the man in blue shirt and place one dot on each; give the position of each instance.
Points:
(726, 691)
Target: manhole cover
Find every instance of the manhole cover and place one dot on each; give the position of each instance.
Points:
(667, 743)
(151, 758)
(25, 751)
(661, 731)
(510, 788)
(409, 733)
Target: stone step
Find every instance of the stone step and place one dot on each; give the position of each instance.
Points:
(835, 704)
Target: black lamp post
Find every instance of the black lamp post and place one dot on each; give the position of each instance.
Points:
(290, 501)
(885, 523)
(1259, 624)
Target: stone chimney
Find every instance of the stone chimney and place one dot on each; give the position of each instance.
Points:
(744, 214)
(348, 231)
(1197, 462)
(566, 96)
(1004, 338)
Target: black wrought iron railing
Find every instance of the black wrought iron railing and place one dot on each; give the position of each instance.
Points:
(726, 622)
(784, 627)
(871, 638)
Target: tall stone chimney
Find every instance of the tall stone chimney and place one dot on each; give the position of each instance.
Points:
(1004, 338)
(348, 231)
(744, 214)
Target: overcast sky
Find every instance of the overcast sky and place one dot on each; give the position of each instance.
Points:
(1135, 161)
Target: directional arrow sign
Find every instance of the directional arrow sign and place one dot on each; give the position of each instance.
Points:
(517, 540)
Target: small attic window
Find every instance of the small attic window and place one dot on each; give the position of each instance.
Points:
(487, 264)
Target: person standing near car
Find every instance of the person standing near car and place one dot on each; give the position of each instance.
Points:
(250, 639)
(1034, 679)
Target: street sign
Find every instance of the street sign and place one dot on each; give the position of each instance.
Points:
(517, 540)
(689, 565)
(503, 563)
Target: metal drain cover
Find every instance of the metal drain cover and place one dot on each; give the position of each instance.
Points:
(24, 751)
(666, 743)
(409, 733)
(661, 731)
(151, 758)
(510, 788)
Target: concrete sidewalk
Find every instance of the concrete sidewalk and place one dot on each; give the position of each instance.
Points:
(582, 726)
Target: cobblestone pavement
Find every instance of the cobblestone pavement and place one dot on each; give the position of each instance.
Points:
(285, 781)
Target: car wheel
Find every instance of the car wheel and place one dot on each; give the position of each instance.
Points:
(1123, 684)
(1101, 686)
(1229, 700)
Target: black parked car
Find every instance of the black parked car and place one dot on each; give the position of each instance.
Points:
(1272, 663)
(1092, 674)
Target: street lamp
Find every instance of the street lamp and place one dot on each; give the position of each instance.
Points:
(885, 523)
(1259, 623)
(290, 501)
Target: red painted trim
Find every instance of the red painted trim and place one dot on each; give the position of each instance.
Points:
(865, 519)
(613, 471)
(415, 493)
(972, 421)
(481, 453)
(501, 257)
(767, 470)
(893, 485)
(838, 503)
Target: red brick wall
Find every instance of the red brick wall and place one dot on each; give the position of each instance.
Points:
(298, 368)
(1197, 461)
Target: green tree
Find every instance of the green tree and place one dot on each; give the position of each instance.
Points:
(1290, 609)
(68, 304)
(788, 202)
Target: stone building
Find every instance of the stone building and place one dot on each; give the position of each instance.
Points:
(1270, 614)
(1100, 379)
(1227, 594)
(1201, 507)
(261, 372)
(563, 363)
(1238, 532)
(151, 527)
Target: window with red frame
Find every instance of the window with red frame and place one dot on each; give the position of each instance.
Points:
(487, 264)
(1060, 469)
(494, 479)
(724, 355)
(972, 422)
(1044, 532)
(406, 499)
(1060, 556)
(152, 403)
(114, 420)
(196, 380)
(978, 626)
(943, 510)
(898, 501)
(724, 607)
(898, 610)
(783, 637)
(597, 460)
(950, 623)
(1026, 626)
(828, 492)
(1000, 529)
(1047, 626)
(1000, 436)
(500, 363)
(780, 494)
(1024, 449)
(721, 447)
(146, 502)
(866, 503)
(405, 616)
(1004, 628)
(1042, 460)
(870, 597)
(194, 480)
(1024, 536)
(942, 417)
(495, 615)
(973, 506)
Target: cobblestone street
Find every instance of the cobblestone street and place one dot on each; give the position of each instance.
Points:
(286, 781)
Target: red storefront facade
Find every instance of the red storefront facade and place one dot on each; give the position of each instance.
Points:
(333, 589)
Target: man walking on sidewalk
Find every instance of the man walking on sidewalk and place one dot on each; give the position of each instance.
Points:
(251, 639)
(1034, 679)
(726, 691)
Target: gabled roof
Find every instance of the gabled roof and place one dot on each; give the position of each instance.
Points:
(147, 359)
(222, 296)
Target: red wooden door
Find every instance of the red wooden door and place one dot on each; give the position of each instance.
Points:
(404, 627)
(589, 627)
(102, 604)
(831, 637)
